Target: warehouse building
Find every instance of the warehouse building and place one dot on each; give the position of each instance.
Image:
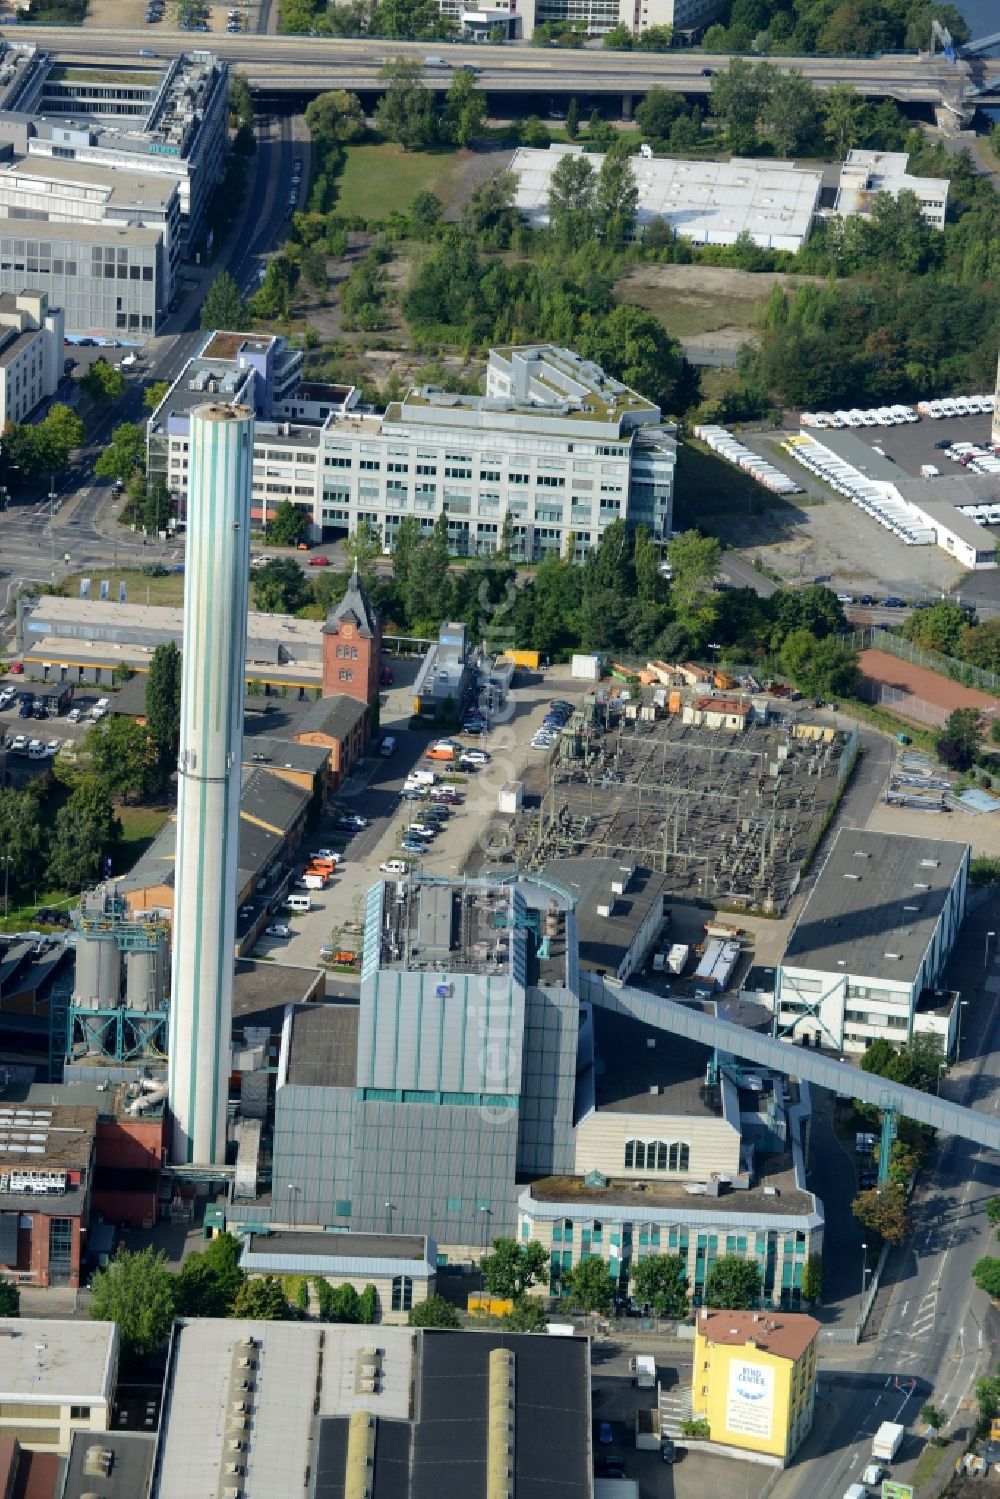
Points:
(952, 513)
(289, 1407)
(872, 939)
(555, 443)
(754, 1379)
(57, 1378)
(865, 174)
(708, 202)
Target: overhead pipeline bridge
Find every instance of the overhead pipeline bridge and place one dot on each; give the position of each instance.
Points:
(782, 1056)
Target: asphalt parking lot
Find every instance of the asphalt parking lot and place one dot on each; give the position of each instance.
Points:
(374, 791)
(15, 768)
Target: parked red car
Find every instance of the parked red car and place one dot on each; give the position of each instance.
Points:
(319, 561)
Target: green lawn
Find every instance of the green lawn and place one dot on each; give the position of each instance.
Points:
(379, 179)
(140, 826)
(139, 588)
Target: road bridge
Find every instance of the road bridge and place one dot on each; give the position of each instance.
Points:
(799, 1061)
(303, 65)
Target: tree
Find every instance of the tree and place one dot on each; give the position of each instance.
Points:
(932, 1416)
(512, 1267)
(789, 112)
(336, 116)
(589, 1285)
(659, 1281)
(957, 744)
(733, 1283)
(368, 1305)
(279, 587)
(344, 1305)
(883, 1210)
(163, 703)
(573, 119)
(434, 1312)
(86, 830)
(363, 548)
(405, 112)
(465, 108)
(739, 95)
(986, 1274)
(843, 111)
(57, 436)
(124, 455)
(988, 1398)
(209, 1283)
(154, 393)
(618, 39)
(535, 134)
(425, 214)
(632, 344)
(286, 525)
(20, 834)
(993, 1212)
(616, 198)
(655, 114)
(825, 668)
(812, 1278)
(10, 1299)
(137, 1291)
(103, 383)
(529, 1315)
(123, 756)
(223, 306)
(571, 200)
(262, 1298)
(427, 584)
(694, 560)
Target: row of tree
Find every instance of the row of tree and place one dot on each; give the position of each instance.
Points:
(140, 1292)
(845, 28)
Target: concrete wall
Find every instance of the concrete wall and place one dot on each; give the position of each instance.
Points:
(600, 1144)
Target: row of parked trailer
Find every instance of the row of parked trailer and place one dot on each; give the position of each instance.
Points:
(868, 496)
(877, 416)
(728, 447)
(956, 406)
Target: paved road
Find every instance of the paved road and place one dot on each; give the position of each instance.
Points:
(301, 62)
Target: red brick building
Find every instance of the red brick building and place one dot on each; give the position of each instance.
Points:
(130, 1156)
(352, 647)
(46, 1178)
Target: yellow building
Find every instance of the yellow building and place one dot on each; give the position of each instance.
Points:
(754, 1378)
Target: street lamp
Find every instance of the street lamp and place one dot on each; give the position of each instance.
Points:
(484, 1212)
(864, 1267)
(962, 1005)
(713, 646)
(389, 1210)
(8, 860)
(942, 1067)
(990, 936)
(292, 1188)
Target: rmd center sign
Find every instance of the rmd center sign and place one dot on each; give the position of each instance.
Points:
(750, 1402)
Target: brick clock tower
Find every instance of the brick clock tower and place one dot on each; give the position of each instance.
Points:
(352, 647)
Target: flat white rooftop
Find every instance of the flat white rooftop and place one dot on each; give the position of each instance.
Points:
(298, 1364)
(710, 202)
(51, 1362)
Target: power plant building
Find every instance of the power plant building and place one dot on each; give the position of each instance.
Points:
(209, 776)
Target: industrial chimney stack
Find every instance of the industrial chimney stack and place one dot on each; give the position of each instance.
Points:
(216, 586)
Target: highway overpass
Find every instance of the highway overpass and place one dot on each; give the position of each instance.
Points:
(300, 65)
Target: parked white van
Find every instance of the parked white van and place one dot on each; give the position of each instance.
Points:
(298, 903)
